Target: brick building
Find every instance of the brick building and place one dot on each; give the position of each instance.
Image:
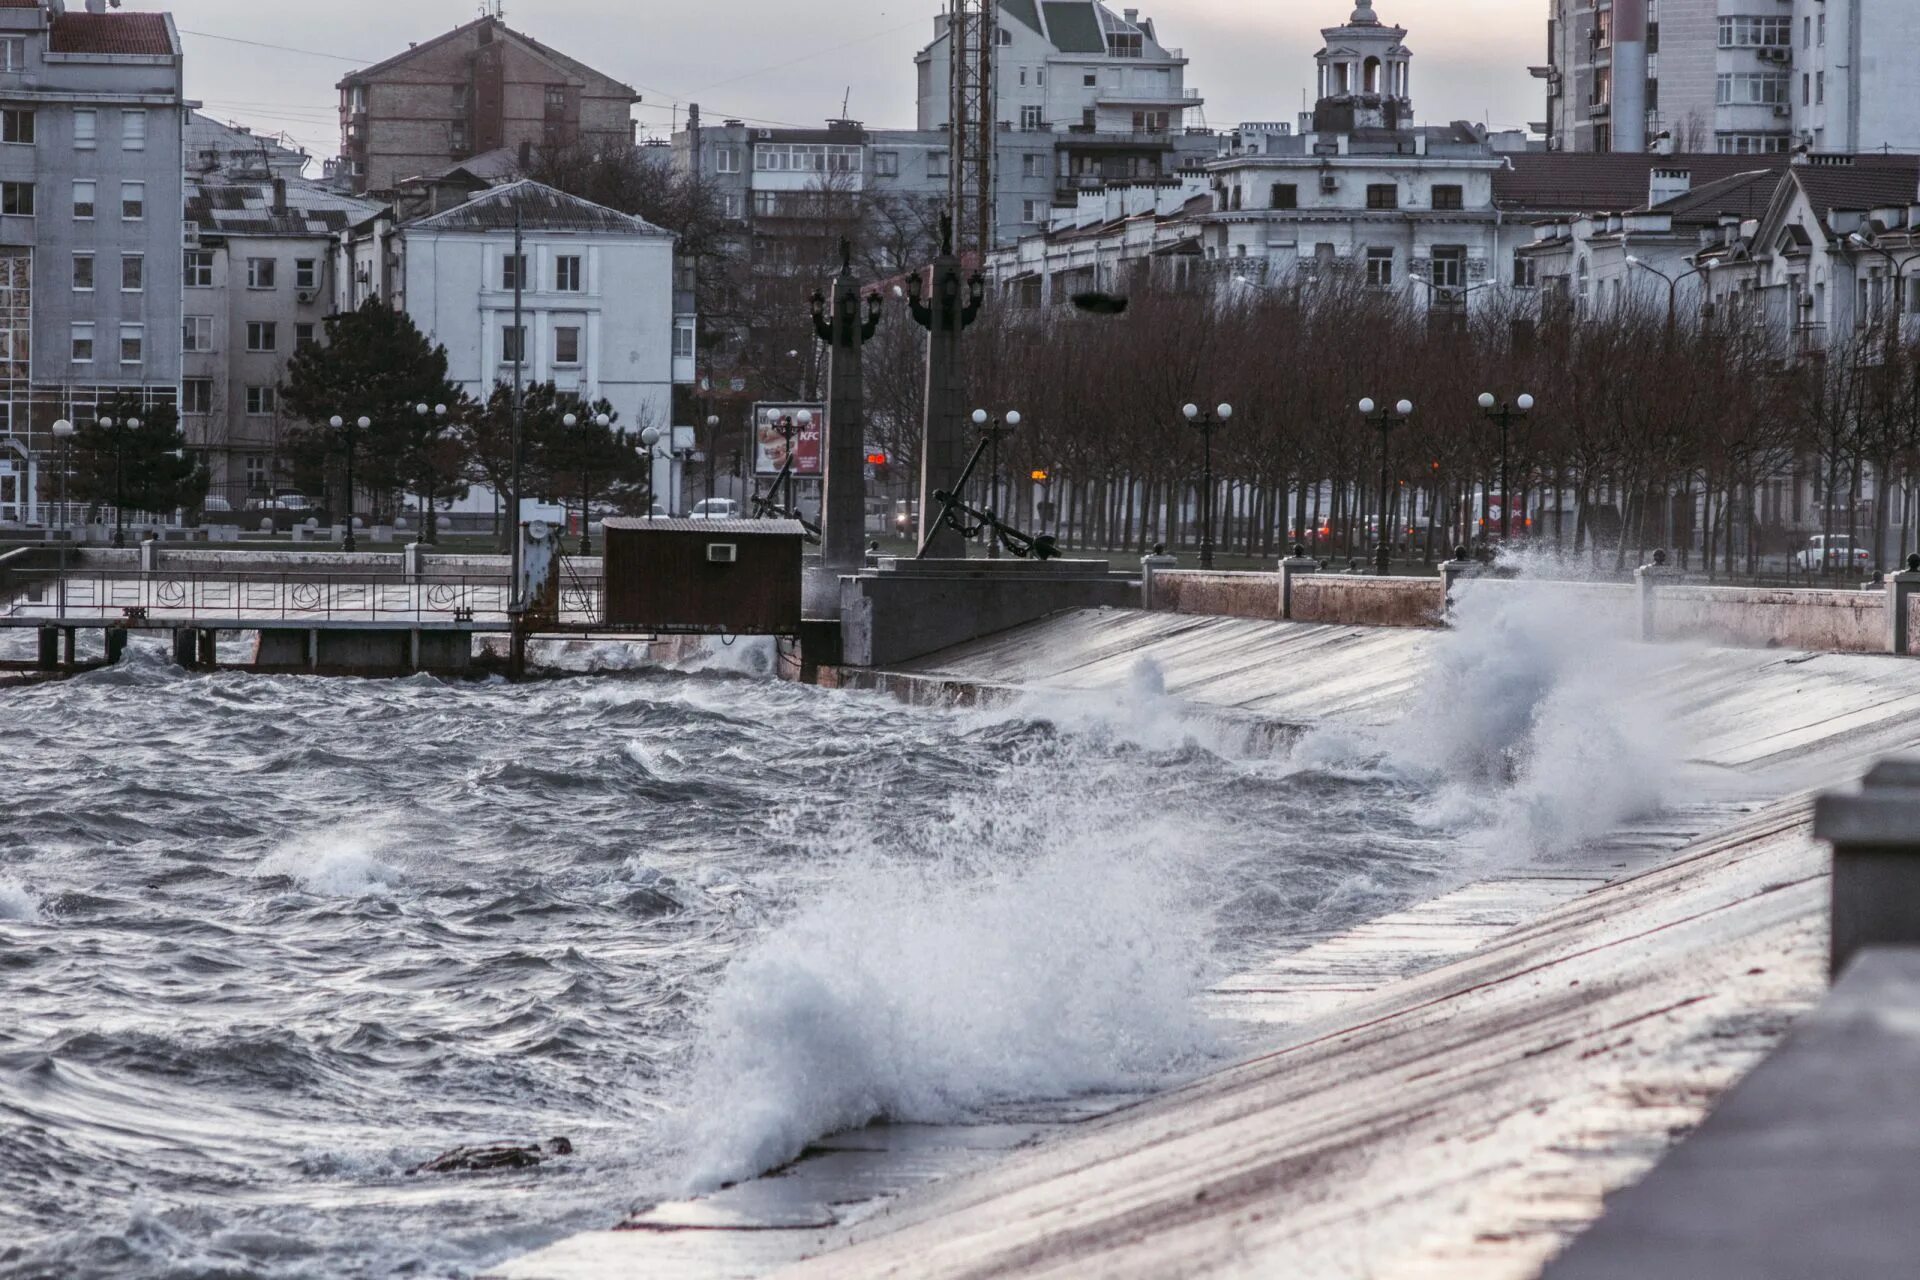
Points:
(481, 87)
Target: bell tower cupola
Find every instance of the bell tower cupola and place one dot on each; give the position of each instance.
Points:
(1364, 76)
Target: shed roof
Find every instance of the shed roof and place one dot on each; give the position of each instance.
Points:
(731, 528)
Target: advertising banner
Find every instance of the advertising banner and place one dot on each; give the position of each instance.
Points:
(770, 439)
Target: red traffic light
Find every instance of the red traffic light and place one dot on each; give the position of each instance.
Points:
(877, 459)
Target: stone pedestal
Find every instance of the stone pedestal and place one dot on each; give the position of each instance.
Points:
(1150, 565)
(1290, 570)
(1900, 588)
(1875, 835)
(1646, 578)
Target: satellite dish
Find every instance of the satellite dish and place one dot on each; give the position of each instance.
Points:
(537, 530)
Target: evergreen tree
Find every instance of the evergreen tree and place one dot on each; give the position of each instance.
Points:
(145, 468)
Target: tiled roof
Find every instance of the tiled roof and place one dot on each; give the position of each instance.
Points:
(1867, 183)
(1558, 182)
(140, 33)
(541, 208)
(1747, 194)
(730, 528)
(1073, 26)
(224, 207)
(19, 4)
(560, 60)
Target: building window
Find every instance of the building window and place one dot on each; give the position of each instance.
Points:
(196, 395)
(83, 271)
(806, 157)
(1449, 266)
(513, 271)
(1033, 117)
(133, 201)
(261, 402)
(197, 267)
(566, 274)
(86, 129)
(196, 333)
(683, 339)
(306, 273)
(133, 131)
(1380, 267)
(1525, 271)
(255, 465)
(1754, 88)
(133, 343)
(730, 204)
(726, 160)
(1819, 88)
(260, 273)
(83, 198)
(1383, 195)
(886, 164)
(566, 344)
(1749, 32)
(262, 335)
(936, 164)
(513, 343)
(83, 344)
(1150, 121)
(16, 198)
(17, 126)
(1283, 195)
(1448, 197)
(556, 99)
(133, 272)
(303, 335)
(13, 53)
(1002, 36)
(1033, 211)
(1751, 144)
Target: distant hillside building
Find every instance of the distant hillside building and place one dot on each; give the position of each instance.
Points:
(481, 87)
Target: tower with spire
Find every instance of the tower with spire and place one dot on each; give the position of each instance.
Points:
(1364, 76)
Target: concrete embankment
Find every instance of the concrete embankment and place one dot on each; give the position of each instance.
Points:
(1450, 1090)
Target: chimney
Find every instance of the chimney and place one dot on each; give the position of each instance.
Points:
(1132, 16)
(279, 197)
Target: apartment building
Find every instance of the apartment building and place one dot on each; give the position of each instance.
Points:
(1855, 74)
(91, 111)
(480, 87)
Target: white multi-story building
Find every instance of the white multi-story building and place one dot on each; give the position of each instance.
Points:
(1856, 74)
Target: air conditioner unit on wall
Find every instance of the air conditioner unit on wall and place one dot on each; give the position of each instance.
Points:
(306, 295)
(1329, 184)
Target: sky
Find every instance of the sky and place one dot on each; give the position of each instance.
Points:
(794, 62)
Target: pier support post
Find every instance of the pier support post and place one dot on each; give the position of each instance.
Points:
(209, 654)
(71, 645)
(1875, 834)
(1646, 578)
(186, 648)
(1149, 566)
(1292, 567)
(516, 654)
(1900, 587)
(1463, 565)
(49, 648)
(116, 642)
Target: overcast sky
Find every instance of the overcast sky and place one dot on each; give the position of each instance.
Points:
(791, 61)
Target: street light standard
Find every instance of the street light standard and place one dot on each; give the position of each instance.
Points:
(649, 437)
(1504, 414)
(993, 427)
(1384, 421)
(713, 448)
(1861, 240)
(351, 424)
(63, 432)
(787, 424)
(602, 421)
(1206, 422)
(429, 521)
(1673, 283)
(119, 431)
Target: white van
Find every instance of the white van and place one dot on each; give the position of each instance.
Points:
(715, 509)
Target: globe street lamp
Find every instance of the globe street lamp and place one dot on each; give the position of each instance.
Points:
(1206, 422)
(118, 431)
(993, 427)
(649, 437)
(1384, 421)
(429, 522)
(713, 448)
(351, 425)
(1504, 414)
(63, 432)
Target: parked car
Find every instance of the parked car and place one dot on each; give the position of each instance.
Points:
(1836, 552)
(715, 509)
(213, 504)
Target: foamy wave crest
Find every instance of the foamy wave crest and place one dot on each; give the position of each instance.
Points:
(1140, 712)
(17, 902)
(340, 862)
(926, 992)
(743, 655)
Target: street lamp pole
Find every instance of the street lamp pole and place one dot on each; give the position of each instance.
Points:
(713, 449)
(993, 426)
(429, 522)
(649, 437)
(63, 432)
(119, 429)
(351, 424)
(1384, 421)
(1206, 422)
(1673, 284)
(1504, 414)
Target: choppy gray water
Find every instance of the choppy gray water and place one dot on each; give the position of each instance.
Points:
(266, 942)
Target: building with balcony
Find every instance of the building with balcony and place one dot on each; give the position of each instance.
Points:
(1855, 74)
(91, 110)
(481, 87)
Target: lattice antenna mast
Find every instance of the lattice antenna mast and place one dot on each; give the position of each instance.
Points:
(970, 122)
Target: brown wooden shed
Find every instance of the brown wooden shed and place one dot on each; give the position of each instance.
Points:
(729, 577)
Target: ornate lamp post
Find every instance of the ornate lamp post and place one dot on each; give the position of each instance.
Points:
(119, 431)
(1206, 421)
(351, 424)
(602, 421)
(993, 427)
(1384, 421)
(788, 425)
(649, 437)
(429, 518)
(1504, 414)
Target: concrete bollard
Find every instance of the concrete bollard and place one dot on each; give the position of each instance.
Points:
(1294, 565)
(1463, 565)
(1157, 562)
(412, 561)
(1646, 578)
(1875, 834)
(149, 554)
(1899, 589)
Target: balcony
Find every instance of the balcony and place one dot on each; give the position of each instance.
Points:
(1082, 137)
(1173, 99)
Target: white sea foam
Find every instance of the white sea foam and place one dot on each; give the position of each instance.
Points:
(338, 862)
(17, 902)
(1140, 712)
(1030, 953)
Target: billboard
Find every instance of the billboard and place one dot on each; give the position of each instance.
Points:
(770, 442)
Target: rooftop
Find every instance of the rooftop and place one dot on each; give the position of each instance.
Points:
(112, 33)
(539, 208)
